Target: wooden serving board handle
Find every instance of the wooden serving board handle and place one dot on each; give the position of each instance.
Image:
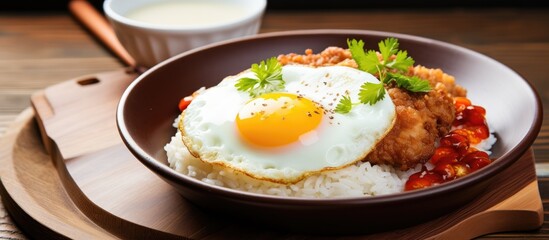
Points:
(79, 115)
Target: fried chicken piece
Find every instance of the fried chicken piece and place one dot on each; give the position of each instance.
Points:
(421, 119)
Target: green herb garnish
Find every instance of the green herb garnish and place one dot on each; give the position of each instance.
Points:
(345, 105)
(370, 93)
(412, 84)
(392, 67)
(268, 75)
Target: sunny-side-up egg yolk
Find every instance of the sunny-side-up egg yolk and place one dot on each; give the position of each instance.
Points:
(278, 119)
(287, 135)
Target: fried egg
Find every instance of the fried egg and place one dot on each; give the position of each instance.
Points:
(288, 135)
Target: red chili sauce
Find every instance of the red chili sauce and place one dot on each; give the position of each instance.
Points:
(455, 157)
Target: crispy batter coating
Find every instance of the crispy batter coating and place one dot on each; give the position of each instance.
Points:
(422, 118)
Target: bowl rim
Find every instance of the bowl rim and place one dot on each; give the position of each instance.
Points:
(168, 173)
(116, 17)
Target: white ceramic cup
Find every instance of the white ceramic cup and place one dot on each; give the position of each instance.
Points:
(151, 43)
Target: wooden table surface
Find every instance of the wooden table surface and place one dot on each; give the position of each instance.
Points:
(41, 49)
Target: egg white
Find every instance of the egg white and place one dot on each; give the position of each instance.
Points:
(209, 131)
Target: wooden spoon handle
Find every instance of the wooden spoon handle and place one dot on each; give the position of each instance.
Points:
(100, 27)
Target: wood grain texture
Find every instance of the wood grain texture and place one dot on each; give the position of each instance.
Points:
(41, 49)
(108, 194)
(56, 106)
(47, 201)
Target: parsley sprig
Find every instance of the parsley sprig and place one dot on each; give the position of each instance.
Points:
(268, 78)
(345, 105)
(390, 67)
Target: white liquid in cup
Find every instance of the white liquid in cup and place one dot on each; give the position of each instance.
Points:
(186, 13)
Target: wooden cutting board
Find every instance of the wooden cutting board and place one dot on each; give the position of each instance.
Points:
(54, 187)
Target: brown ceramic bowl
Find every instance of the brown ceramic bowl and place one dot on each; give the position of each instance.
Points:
(148, 108)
